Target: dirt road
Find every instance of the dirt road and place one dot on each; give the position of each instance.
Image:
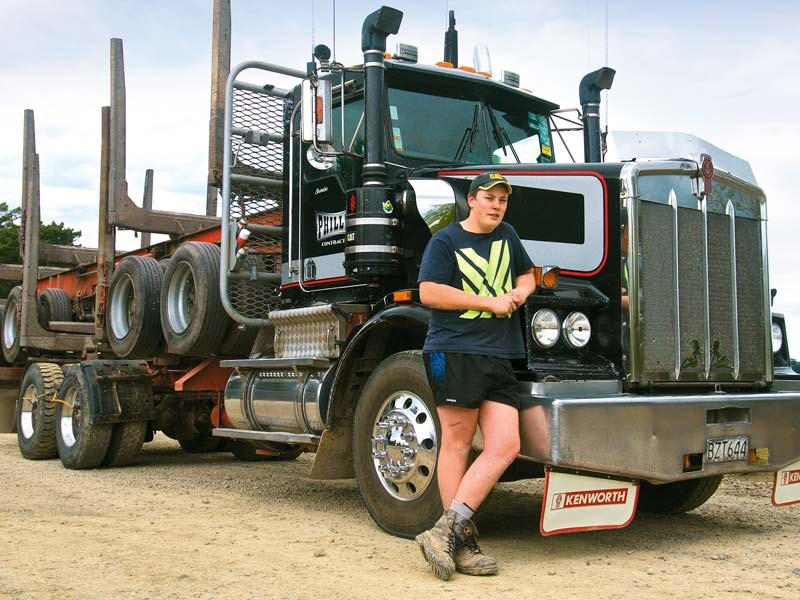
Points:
(207, 526)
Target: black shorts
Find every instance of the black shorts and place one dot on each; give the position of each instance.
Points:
(466, 380)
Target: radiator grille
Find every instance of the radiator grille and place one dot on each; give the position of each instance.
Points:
(708, 340)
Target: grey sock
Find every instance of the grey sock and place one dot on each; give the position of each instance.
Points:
(462, 510)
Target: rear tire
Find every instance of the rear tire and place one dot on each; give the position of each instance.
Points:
(53, 304)
(81, 444)
(403, 503)
(10, 339)
(133, 314)
(125, 444)
(193, 319)
(36, 411)
(677, 497)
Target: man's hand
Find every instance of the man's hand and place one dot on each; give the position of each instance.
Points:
(503, 305)
(519, 296)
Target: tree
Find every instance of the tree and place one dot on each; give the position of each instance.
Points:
(53, 233)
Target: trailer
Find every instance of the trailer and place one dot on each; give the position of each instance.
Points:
(293, 323)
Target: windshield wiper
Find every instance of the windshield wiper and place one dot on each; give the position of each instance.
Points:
(500, 135)
(468, 139)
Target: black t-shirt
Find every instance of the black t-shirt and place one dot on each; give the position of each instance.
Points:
(484, 264)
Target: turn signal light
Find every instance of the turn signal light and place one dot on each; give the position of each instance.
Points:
(547, 276)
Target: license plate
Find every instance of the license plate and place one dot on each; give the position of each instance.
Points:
(726, 449)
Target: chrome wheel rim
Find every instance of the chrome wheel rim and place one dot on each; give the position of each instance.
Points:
(122, 303)
(10, 324)
(70, 423)
(27, 412)
(180, 298)
(404, 446)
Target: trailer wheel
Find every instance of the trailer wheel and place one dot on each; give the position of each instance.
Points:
(36, 411)
(53, 304)
(192, 316)
(395, 446)
(133, 312)
(12, 351)
(81, 444)
(125, 443)
(677, 497)
(3, 361)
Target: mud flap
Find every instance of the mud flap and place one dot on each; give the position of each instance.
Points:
(786, 489)
(586, 502)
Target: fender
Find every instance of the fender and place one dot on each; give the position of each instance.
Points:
(415, 315)
(117, 390)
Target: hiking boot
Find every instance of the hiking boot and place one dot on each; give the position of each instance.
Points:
(468, 557)
(438, 544)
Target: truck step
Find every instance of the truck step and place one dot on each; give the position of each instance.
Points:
(268, 436)
(278, 363)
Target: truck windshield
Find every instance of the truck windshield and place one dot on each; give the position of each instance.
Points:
(446, 128)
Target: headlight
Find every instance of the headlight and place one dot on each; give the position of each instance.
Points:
(777, 338)
(577, 330)
(544, 327)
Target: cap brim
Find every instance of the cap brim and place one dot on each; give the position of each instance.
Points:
(493, 184)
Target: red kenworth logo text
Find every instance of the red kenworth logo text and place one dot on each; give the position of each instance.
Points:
(592, 498)
(790, 477)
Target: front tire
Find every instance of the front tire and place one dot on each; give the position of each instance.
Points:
(677, 497)
(36, 411)
(396, 435)
(81, 444)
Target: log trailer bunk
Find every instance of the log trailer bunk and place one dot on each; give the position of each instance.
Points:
(330, 192)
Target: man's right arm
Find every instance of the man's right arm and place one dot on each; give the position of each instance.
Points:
(445, 297)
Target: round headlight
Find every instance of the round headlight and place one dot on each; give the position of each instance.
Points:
(544, 327)
(777, 338)
(577, 329)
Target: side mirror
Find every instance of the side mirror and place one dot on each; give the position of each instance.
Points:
(315, 111)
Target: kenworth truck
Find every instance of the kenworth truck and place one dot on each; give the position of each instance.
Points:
(294, 324)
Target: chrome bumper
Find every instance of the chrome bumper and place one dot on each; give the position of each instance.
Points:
(592, 426)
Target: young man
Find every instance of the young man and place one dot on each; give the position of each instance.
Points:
(474, 275)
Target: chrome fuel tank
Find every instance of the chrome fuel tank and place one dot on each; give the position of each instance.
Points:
(275, 400)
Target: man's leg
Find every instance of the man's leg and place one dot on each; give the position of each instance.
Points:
(438, 544)
(500, 429)
(458, 430)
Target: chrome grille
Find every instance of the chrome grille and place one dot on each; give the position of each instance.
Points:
(708, 322)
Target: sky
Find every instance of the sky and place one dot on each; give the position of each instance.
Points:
(723, 71)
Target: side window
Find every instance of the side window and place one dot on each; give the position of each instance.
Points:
(353, 126)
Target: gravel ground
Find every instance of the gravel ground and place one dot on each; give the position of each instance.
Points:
(207, 526)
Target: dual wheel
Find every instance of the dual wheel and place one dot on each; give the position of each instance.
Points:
(52, 304)
(174, 303)
(53, 420)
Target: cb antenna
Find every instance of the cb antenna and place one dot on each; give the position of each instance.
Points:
(451, 40)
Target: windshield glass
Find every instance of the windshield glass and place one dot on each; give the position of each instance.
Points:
(445, 128)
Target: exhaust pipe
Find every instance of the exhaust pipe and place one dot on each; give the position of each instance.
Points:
(377, 27)
(589, 92)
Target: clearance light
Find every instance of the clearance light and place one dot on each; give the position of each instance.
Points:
(467, 69)
(444, 64)
(402, 296)
(545, 327)
(485, 74)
